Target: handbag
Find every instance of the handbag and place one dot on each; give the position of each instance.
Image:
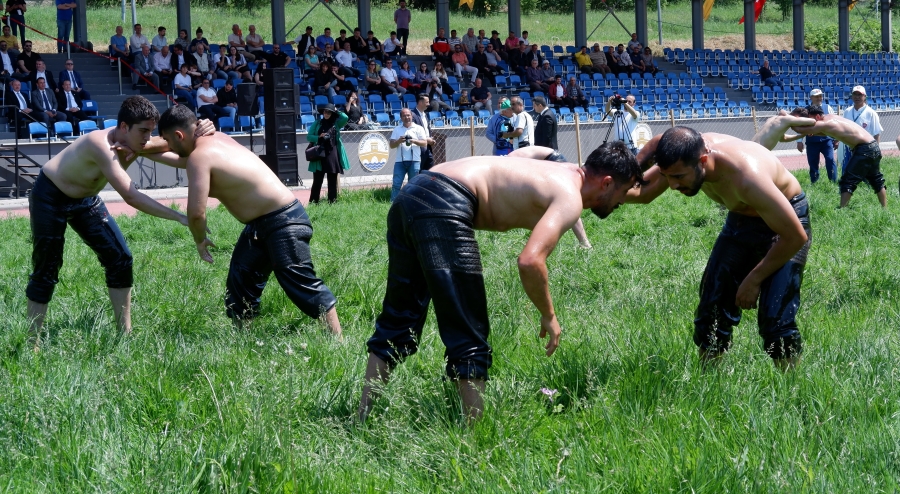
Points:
(314, 152)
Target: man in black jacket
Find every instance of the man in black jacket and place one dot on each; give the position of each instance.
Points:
(545, 126)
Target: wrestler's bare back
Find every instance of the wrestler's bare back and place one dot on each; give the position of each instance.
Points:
(77, 171)
(839, 128)
(772, 131)
(238, 178)
(517, 192)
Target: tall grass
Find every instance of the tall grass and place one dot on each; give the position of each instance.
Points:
(190, 403)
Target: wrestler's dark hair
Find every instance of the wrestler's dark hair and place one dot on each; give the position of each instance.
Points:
(176, 117)
(813, 110)
(679, 144)
(137, 109)
(614, 159)
(800, 111)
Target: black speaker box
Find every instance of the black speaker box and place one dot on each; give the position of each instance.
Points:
(280, 78)
(285, 166)
(281, 142)
(282, 122)
(248, 103)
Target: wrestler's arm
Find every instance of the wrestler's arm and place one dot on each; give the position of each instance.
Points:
(168, 158)
(559, 217)
(771, 205)
(158, 145)
(532, 152)
(792, 137)
(645, 194)
(120, 181)
(198, 195)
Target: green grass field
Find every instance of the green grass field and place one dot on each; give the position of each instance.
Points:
(722, 28)
(188, 403)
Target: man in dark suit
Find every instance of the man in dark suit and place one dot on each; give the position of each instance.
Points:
(41, 72)
(15, 96)
(43, 101)
(179, 57)
(72, 75)
(69, 104)
(545, 126)
(143, 66)
(420, 117)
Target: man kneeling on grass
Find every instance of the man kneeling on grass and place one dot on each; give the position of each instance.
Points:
(432, 252)
(761, 252)
(278, 230)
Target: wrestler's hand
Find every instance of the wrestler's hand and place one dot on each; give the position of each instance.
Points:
(549, 325)
(124, 153)
(800, 146)
(205, 127)
(747, 294)
(203, 250)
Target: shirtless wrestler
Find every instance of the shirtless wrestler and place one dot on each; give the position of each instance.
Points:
(65, 192)
(761, 252)
(865, 155)
(773, 130)
(277, 232)
(432, 253)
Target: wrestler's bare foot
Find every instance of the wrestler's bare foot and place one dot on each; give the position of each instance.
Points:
(471, 391)
(377, 374)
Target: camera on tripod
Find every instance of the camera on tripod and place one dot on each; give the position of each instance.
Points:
(617, 101)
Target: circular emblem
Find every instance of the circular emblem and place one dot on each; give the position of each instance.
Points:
(373, 152)
(641, 135)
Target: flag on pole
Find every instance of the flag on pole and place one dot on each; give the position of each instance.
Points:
(850, 7)
(469, 3)
(757, 8)
(707, 8)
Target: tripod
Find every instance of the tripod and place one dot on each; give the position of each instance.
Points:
(618, 123)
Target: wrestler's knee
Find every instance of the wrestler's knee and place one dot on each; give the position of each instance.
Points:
(119, 271)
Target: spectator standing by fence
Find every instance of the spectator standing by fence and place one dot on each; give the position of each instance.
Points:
(497, 125)
(863, 115)
(820, 144)
(402, 18)
(409, 139)
(16, 11)
(64, 10)
(545, 124)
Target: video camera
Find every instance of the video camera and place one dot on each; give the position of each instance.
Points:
(617, 101)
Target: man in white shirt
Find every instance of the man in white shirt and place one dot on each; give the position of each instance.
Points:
(159, 40)
(204, 63)
(631, 117)
(522, 124)
(863, 115)
(14, 96)
(345, 59)
(410, 139)
(69, 104)
(206, 104)
(138, 40)
(389, 75)
(420, 118)
(236, 40)
(255, 42)
(183, 87)
(6, 60)
(392, 46)
(162, 64)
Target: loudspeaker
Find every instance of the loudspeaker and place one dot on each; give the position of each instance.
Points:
(281, 78)
(282, 106)
(282, 143)
(285, 166)
(248, 103)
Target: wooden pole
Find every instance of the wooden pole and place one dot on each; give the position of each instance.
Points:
(755, 124)
(672, 117)
(578, 137)
(472, 135)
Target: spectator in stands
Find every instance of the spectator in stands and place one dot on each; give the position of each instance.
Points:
(237, 62)
(159, 40)
(545, 124)
(454, 40)
(637, 59)
(69, 104)
(359, 45)
(180, 57)
(440, 76)
(481, 97)
(279, 59)
(517, 60)
(512, 42)
(356, 119)
(43, 100)
(206, 104)
(327, 55)
(440, 48)
(183, 41)
(199, 40)
(324, 81)
(311, 61)
(483, 40)
(374, 82)
(304, 41)
(40, 72)
(408, 78)
(15, 96)
(497, 125)
(533, 54)
(819, 144)
(324, 39)
(622, 60)
(492, 58)
(461, 62)
(340, 80)
(535, 78)
(557, 92)
(480, 62)
(524, 38)
(16, 10)
(470, 41)
(12, 42)
(76, 84)
(326, 132)
(143, 66)
(226, 98)
(345, 59)
(236, 41)
(402, 18)
(162, 64)
(863, 115)
(118, 44)
(548, 75)
(598, 60)
(575, 95)
(136, 41)
(374, 47)
(497, 45)
(223, 70)
(768, 77)
(409, 140)
(27, 61)
(522, 124)
(259, 76)
(340, 40)
(6, 64)
(631, 119)
(64, 10)
(649, 64)
(392, 46)
(583, 61)
(255, 43)
(423, 76)
(205, 65)
(435, 93)
(389, 76)
(634, 43)
(183, 87)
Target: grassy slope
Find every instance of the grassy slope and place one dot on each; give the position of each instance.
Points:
(721, 29)
(188, 401)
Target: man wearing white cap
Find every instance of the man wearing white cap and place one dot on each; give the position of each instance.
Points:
(820, 144)
(863, 115)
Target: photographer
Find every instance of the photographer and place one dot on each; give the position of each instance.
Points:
(521, 124)
(410, 139)
(631, 117)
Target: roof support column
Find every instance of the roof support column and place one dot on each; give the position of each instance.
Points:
(640, 22)
(886, 38)
(843, 25)
(580, 23)
(696, 24)
(749, 25)
(364, 16)
(514, 14)
(278, 31)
